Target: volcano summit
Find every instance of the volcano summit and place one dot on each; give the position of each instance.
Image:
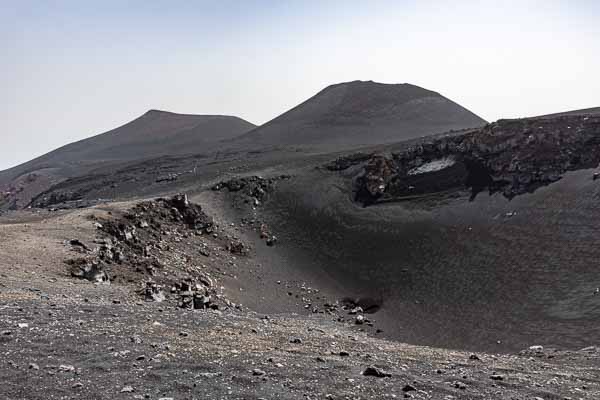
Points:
(361, 113)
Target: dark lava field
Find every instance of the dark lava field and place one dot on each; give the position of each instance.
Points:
(264, 266)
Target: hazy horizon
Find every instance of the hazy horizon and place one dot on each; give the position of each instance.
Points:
(77, 70)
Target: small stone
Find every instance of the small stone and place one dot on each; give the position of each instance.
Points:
(355, 310)
(128, 389)
(460, 385)
(496, 377)
(271, 241)
(537, 348)
(184, 334)
(34, 366)
(296, 340)
(140, 358)
(66, 368)
(344, 353)
(376, 372)
(258, 372)
(136, 339)
(23, 325)
(359, 320)
(409, 388)
(209, 374)
(77, 385)
(474, 357)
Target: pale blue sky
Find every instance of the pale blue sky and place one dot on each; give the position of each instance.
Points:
(71, 69)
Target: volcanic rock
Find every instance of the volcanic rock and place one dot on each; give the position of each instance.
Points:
(376, 372)
(89, 270)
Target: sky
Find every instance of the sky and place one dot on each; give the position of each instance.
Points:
(73, 69)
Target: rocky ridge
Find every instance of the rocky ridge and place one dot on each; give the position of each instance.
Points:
(511, 157)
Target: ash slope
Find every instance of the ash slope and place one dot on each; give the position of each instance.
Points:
(362, 113)
(585, 111)
(153, 134)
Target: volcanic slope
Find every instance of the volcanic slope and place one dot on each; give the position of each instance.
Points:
(396, 233)
(154, 134)
(360, 113)
(584, 111)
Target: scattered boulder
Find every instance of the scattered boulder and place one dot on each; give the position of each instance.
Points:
(251, 190)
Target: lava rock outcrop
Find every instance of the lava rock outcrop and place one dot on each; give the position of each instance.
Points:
(512, 157)
(158, 244)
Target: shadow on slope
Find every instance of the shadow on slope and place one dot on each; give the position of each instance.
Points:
(491, 274)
